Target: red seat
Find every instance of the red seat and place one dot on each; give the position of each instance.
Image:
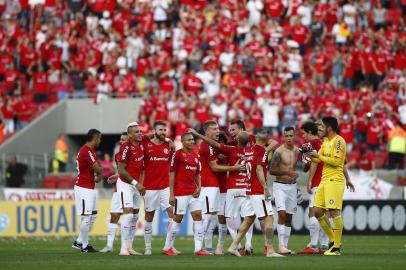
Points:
(380, 158)
(65, 183)
(394, 16)
(50, 181)
(353, 155)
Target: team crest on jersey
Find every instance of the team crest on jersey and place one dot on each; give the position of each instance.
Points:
(132, 148)
(149, 145)
(331, 201)
(166, 150)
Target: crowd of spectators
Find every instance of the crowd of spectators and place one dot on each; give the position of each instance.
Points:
(272, 63)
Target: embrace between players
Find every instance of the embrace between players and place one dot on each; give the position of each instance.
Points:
(220, 183)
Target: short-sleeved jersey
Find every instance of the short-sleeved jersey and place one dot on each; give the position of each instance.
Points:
(222, 176)
(133, 156)
(316, 145)
(206, 155)
(157, 159)
(185, 166)
(332, 153)
(260, 157)
(84, 162)
(236, 179)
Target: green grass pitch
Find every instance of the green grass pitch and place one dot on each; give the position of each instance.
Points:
(359, 252)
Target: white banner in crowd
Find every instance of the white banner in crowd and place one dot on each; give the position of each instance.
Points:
(368, 187)
(26, 194)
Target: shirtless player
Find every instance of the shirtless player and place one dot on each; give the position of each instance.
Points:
(284, 187)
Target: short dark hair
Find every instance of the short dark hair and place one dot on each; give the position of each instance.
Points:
(208, 124)
(286, 129)
(310, 127)
(182, 137)
(91, 133)
(239, 123)
(223, 137)
(124, 134)
(159, 123)
(332, 122)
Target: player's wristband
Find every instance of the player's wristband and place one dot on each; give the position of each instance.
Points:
(134, 182)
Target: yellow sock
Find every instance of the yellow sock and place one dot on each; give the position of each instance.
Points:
(324, 224)
(338, 231)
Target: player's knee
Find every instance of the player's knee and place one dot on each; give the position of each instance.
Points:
(114, 217)
(127, 211)
(149, 216)
(177, 218)
(196, 215)
(169, 210)
(135, 211)
(281, 217)
(222, 219)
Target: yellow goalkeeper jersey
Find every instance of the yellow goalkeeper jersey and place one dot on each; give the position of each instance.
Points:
(332, 153)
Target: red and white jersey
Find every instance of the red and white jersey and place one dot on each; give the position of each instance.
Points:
(222, 176)
(316, 145)
(206, 155)
(133, 156)
(157, 159)
(236, 179)
(185, 166)
(116, 159)
(84, 162)
(260, 157)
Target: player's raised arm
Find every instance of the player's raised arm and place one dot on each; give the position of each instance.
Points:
(211, 142)
(275, 166)
(226, 168)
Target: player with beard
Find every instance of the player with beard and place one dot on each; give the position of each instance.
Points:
(157, 153)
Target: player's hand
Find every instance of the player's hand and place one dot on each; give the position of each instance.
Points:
(97, 179)
(172, 200)
(140, 188)
(312, 154)
(350, 186)
(239, 167)
(112, 179)
(309, 188)
(196, 193)
(268, 195)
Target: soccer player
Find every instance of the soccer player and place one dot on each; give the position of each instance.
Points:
(85, 195)
(236, 181)
(329, 195)
(185, 187)
(210, 193)
(283, 165)
(158, 152)
(129, 186)
(115, 206)
(259, 197)
(313, 142)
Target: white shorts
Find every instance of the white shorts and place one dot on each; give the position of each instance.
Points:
(129, 195)
(238, 204)
(210, 197)
(285, 197)
(115, 205)
(312, 196)
(155, 199)
(261, 207)
(222, 204)
(85, 200)
(183, 202)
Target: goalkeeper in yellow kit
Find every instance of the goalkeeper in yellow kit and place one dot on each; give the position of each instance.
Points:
(329, 194)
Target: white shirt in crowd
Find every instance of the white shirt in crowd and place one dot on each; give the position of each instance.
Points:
(295, 63)
(349, 13)
(305, 14)
(254, 7)
(160, 7)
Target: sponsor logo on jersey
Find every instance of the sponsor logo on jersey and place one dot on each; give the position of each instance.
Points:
(166, 151)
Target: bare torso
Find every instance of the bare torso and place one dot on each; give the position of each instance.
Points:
(287, 163)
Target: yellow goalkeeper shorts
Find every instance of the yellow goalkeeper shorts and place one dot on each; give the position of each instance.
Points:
(329, 195)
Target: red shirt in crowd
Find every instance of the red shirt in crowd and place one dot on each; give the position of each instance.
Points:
(374, 133)
(365, 162)
(186, 167)
(84, 165)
